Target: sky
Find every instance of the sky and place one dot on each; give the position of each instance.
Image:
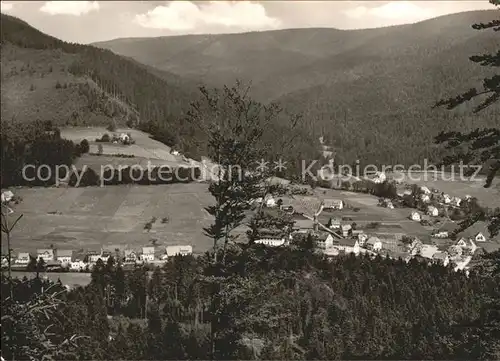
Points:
(91, 21)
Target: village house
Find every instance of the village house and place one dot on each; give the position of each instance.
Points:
(22, 258)
(445, 230)
(348, 245)
(432, 211)
(46, 254)
(361, 236)
(103, 256)
(334, 223)
(270, 202)
(415, 247)
(415, 216)
(64, 256)
(324, 241)
(172, 251)
(303, 225)
(148, 254)
(287, 208)
(333, 204)
(379, 177)
(77, 266)
(446, 199)
(441, 258)
(131, 256)
(456, 201)
(478, 232)
(425, 190)
(373, 244)
(346, 229)
(7, 196)
(428, 250)
(271, 242)
(425, 198)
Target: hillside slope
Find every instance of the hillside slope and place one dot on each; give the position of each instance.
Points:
(47, 79)
(369, 92)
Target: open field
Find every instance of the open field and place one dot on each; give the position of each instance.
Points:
(144, 146)
(70, 279)
(91, 217)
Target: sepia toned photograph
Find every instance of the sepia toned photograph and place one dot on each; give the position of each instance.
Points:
(250, 180)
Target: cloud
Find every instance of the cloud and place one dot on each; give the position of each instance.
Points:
(400, 11)
(75, 8)
(6, 7)
(185, 15)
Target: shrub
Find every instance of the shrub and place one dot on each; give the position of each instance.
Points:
(58, 85)
(111, 127)
(84, 146)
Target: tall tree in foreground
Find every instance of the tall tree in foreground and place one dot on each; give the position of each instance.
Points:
(236, 127)
(481, 146)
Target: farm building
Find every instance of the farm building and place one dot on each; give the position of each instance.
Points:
(333, 204)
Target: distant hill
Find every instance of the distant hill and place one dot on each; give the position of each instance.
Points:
(369, 92)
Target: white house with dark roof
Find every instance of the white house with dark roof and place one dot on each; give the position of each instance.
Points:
(324, 241)
(425, 190)
(348, 245)
(46, 254)
(271, 242)
(131, 256)
(346, 229)
(64, 256)
(148, 254)
(441, 258)
(22, 258)
(172, 251)
(333, 204)
(415, 216)
(478, 232)
(373, 244)
(432, 211)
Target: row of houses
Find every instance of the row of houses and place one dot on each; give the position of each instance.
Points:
(81, 260)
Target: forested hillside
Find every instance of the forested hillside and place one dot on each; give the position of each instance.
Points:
(44, 78)
(370, 92)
